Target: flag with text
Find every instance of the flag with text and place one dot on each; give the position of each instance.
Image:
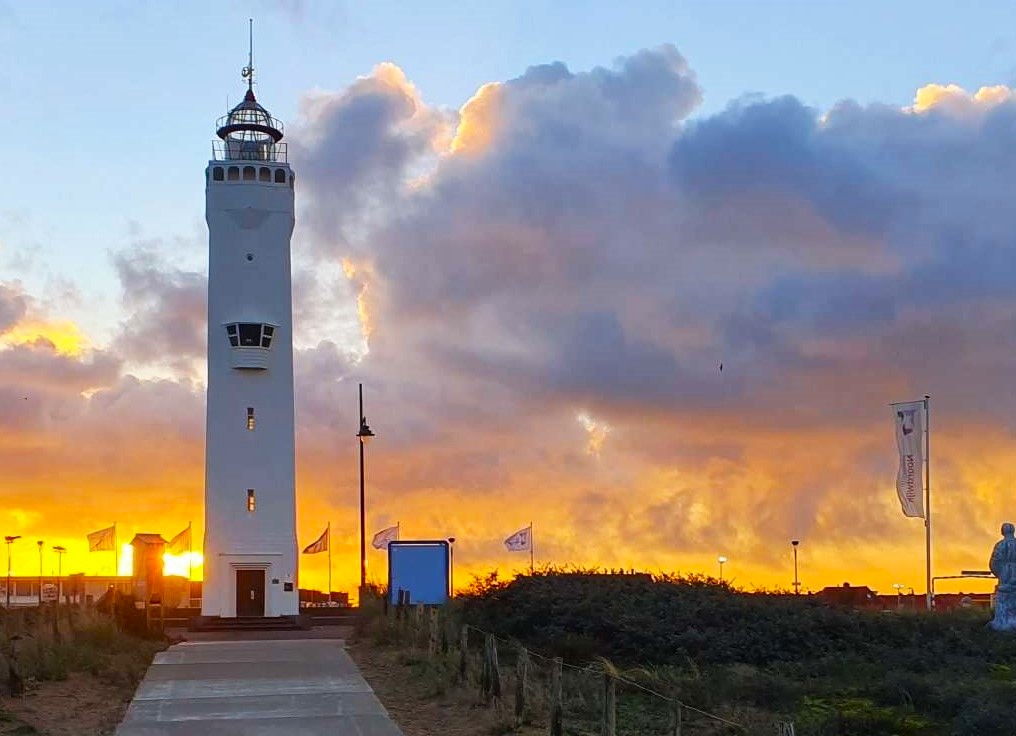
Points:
(520, 541)
(909, 420)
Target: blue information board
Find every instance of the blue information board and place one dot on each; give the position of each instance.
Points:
(419, 567)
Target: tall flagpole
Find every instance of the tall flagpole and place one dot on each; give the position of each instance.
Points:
(328, 531)
(116, 558)
(532, 549)
(927, 497)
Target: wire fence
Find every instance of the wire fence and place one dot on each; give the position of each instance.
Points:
(531, 689)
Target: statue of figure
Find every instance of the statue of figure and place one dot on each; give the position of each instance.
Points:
(1003, 567)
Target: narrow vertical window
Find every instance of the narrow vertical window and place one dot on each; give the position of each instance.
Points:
(251, 500)
(250, 418)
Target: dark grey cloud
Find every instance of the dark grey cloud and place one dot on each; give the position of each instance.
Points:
(166, 308)
(13, 306)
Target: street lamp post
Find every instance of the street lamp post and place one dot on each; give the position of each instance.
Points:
(364, 436)
(9, 540)
(899, 595)
(60, 551)
(721, 559)
(40, 543)
(451, 567)
(797, 583)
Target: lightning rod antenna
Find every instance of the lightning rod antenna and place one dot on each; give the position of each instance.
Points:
(248, 71)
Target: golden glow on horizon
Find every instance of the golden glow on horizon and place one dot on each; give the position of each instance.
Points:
(188, 564)
(64, 336)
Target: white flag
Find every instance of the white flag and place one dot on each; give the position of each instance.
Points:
(102, 540)
(520, 541)
(385, 537)
(909, 420)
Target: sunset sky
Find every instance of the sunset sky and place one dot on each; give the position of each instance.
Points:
(533, 231)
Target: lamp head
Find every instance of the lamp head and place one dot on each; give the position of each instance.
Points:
(451, 540)
(364, 434)
(721, 559)
(795, 542)
(10, 538)
(59, 548)
(40, 543)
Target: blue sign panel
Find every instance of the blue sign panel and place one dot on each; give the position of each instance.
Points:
(419, 568)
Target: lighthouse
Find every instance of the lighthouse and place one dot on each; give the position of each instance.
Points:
(250, 552)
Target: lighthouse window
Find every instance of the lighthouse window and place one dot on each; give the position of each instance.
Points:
(217, 173)
(280, 176)
(250, 418)
(249, 174)
(251, 500)
(233, 173)
(250, 334)
(265, 174)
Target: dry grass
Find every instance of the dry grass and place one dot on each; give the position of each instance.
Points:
(76, 674)
(421, 697)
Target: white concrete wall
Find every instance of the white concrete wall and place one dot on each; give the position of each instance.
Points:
(256, 218)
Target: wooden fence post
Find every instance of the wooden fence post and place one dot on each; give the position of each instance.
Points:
(608, 726)
(432, 649)
(15, 683)
(556, 728)
(493, 672)
(676, 716)
(463, 653)
(521, 673)
(417, 625)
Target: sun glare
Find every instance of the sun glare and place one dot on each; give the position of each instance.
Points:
(186, 565)
(65, 337)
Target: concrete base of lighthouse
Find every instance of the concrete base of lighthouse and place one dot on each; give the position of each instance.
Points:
(248, 585)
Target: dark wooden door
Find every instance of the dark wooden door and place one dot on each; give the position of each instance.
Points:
(250, 592)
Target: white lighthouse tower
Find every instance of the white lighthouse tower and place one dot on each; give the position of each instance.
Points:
(250, 553)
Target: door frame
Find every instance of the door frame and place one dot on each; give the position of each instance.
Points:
(264, 590)
(238, 563)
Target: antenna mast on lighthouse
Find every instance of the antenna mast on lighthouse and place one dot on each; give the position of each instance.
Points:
(248, 71)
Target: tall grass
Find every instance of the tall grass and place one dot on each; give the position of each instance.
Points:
(52, 643)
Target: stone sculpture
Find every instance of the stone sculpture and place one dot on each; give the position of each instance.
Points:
(1003, 567)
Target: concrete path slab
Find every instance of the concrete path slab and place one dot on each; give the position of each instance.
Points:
(256, 688)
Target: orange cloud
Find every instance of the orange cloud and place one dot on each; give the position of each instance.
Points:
(65, 336)
(953, 98)
(478, 121)
(360, 276)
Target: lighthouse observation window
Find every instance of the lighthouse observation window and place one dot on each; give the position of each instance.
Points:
(250, 334)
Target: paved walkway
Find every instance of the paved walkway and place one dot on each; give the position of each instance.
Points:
(256, 688)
